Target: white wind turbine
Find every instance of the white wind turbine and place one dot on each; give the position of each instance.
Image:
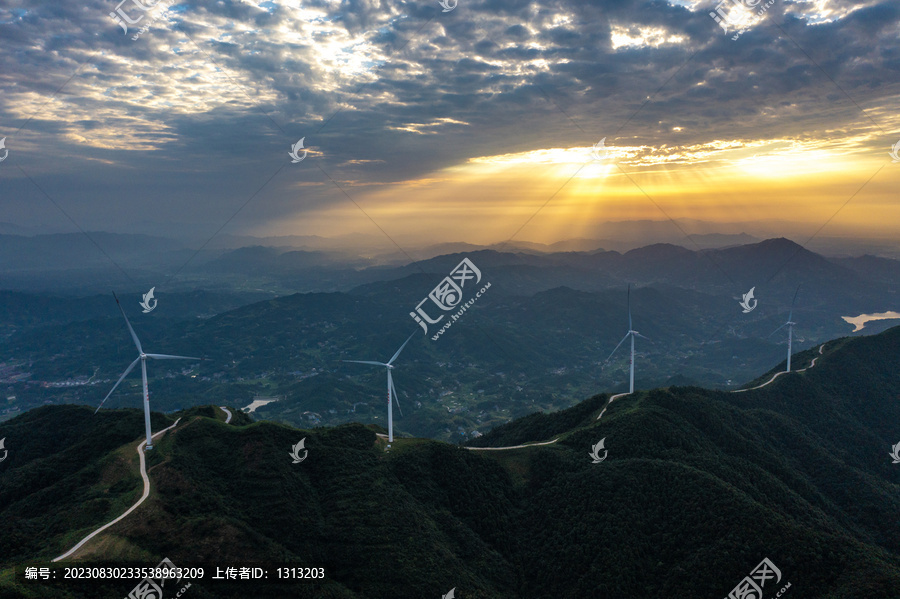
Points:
(631, 333)
(390, 386)
(142, 358)
(790, 325)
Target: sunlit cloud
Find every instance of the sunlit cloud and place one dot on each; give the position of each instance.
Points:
(451, 128)
(642, 37)
(431, 128)
(816, 12)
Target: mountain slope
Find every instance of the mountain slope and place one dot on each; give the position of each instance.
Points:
(65, 470)
(697, 488)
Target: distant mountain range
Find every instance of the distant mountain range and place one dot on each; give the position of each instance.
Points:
(770, 262)
(84, 263)
(539, 339)
(695, 489)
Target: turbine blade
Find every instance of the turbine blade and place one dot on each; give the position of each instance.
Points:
(365, 362)
(124, 374)
(618, 346)
(394, 391)
(791, 314)
(629, 307)
(642, 337)
(167, 357)
(391, 361)
(134, 336)
(776, 330)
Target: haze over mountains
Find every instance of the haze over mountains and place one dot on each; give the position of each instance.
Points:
(89, 263)
(698, 487)
(538, 340)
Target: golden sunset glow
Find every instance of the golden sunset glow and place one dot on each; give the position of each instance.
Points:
(489, 197)
(416, 129)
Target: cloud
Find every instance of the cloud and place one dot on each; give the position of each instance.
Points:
(194, 117)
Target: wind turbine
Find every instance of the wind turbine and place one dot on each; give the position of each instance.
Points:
(391, 391)
(142, 358)
(790, 325)
(631, 333)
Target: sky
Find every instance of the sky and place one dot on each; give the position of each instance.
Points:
(481, 122)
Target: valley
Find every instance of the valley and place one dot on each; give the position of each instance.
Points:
(512, 354)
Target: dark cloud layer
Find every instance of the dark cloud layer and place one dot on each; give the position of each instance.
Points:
(189, 121)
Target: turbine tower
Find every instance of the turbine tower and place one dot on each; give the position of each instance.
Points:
(790, 325)
(142, 358)
(391, 391)
(631, 333)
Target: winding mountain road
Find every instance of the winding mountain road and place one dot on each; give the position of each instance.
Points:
(227, 414)
(616, 396)
(513, 446)
(497, 448)
(778, 374)
(140, 450)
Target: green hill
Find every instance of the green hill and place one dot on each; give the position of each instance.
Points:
(698, 487)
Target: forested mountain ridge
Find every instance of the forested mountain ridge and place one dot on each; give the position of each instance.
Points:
(697, 488)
